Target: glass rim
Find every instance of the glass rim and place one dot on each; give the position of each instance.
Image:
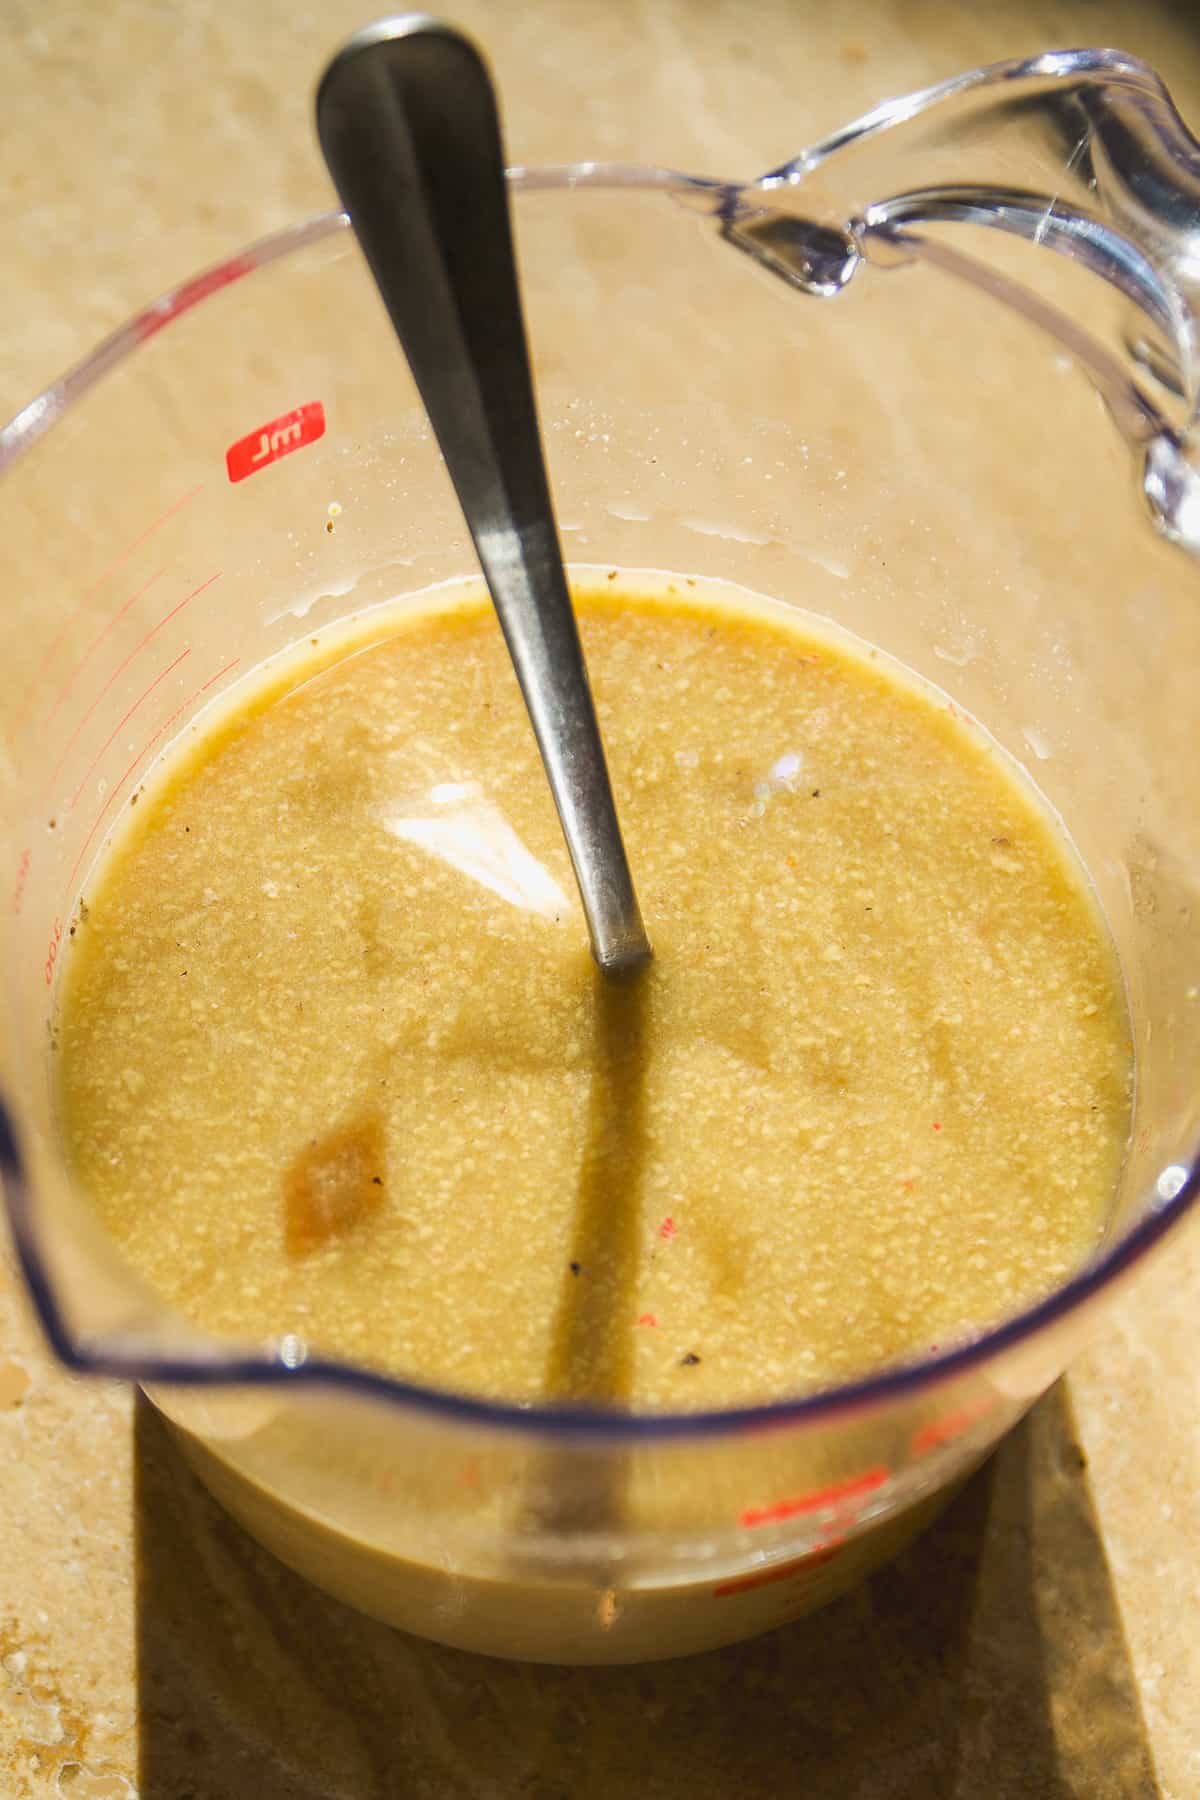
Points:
(210, 1367)
(1081, 68)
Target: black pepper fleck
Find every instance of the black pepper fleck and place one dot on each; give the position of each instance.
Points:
(575, 1268)
(689, 1361)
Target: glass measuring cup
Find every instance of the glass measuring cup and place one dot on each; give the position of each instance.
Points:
(923, 459)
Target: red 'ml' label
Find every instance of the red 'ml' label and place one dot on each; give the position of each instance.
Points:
(291, 431)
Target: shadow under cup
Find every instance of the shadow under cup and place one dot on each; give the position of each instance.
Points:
(908, 459)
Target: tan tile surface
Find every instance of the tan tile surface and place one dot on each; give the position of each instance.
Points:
(1042, 1641)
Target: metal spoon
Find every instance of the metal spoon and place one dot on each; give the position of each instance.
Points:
(407, 120)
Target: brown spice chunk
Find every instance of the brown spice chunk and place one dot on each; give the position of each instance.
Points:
(334, 1184)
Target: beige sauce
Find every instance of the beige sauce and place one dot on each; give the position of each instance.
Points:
(334, 1060)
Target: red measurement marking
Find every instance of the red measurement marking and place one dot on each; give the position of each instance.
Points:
(112, 568)
(745, 1583)
(213, 679)
(144, 751)
(22, 877)
(866, 1483)
(191, 293)
(140, 701)
(267, 443)
(79, 666)
(122, 666)
(52, 951)
(936, 1432)
(647, 1319)
(668, 1228)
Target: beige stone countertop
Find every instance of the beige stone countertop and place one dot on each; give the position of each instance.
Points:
(1041, 1642)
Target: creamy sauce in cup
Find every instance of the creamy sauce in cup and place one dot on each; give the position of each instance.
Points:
(334, 1060)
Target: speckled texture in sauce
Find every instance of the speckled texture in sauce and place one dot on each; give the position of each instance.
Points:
(334, 1059)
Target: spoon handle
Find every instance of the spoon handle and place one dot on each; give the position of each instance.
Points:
(407, 121)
